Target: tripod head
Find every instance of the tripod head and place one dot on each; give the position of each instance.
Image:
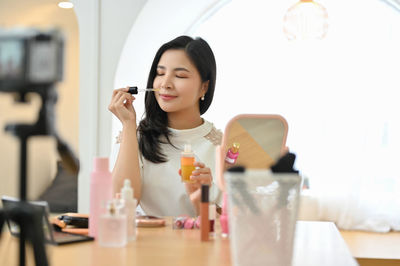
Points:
(31, 61)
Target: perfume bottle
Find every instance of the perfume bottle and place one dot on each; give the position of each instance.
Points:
(112, 226)
(233, 153)
(129, 208)
(187, 163)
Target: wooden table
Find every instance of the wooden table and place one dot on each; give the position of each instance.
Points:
(371, 248)
(316, 243)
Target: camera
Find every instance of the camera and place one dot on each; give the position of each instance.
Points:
(30, 58)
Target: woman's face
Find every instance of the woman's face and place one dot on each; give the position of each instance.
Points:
(179, 82)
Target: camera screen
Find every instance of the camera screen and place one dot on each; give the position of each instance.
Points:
(11, 59)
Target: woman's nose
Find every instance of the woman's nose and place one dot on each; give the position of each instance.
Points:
(166, 82)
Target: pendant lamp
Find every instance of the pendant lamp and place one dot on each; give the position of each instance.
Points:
(305, 20)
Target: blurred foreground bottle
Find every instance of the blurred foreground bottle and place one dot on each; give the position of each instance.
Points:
(100, 192)
(130, 203)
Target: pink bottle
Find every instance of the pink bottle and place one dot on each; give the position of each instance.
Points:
(233, 153)
(231, 157)
(100, 192)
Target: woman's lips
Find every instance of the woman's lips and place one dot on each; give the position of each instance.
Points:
(167, 97)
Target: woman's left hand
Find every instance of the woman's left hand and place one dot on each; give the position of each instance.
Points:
(201, 175)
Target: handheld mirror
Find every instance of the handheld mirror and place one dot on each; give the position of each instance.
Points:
(261, 139)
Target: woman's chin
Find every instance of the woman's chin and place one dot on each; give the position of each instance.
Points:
(168, 109)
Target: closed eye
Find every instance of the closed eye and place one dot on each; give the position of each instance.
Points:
(181, 73)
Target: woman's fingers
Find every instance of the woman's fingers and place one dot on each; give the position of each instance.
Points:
(121, 105)
(123, 99)
(201, 171)
(120, 89)
(116, 94)
(120, 99)
(199, 164)
(202, 179)
(202, 175)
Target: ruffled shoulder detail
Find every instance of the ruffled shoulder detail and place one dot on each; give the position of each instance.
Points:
(118, 138)
(214, 136)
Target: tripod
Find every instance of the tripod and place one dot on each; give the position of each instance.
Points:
(23, 213)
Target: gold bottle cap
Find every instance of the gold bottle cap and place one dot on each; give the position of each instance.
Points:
(235, 147)
(111, 207)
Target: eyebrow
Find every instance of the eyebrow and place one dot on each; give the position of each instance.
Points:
(175, 69)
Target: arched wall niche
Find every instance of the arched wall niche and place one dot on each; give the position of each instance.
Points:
(157, 23)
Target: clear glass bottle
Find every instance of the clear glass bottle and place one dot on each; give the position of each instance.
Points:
(112, 227)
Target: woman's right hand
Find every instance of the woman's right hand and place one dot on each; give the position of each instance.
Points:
(121, 105)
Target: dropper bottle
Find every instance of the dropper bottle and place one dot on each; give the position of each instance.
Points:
(136, 90)
(130, 208)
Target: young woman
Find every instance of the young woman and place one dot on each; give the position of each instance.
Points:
(184, 71)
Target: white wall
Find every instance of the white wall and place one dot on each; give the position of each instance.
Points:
(103, 26)
(160, 21)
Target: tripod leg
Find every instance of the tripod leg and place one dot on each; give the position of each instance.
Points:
(2, 220)
(22, 252)
(17, 213)
(37, 239)
(30, 223)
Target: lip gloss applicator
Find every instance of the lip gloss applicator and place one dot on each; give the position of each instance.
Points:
(204, 223)
(135, 90)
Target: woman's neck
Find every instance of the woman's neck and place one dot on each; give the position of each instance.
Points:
(184, 120)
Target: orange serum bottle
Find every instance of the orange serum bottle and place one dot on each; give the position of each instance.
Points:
(233, 153)
(187, 163)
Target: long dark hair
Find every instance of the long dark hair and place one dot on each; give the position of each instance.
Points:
(155, 121)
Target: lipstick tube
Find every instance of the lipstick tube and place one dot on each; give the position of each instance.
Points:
(204, 209)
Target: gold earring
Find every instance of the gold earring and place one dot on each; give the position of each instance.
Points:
(202, 97)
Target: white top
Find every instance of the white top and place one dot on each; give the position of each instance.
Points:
(163, 193)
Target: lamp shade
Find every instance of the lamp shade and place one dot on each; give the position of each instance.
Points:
(305, 20)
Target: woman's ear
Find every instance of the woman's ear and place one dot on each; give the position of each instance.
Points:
(204, 87)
